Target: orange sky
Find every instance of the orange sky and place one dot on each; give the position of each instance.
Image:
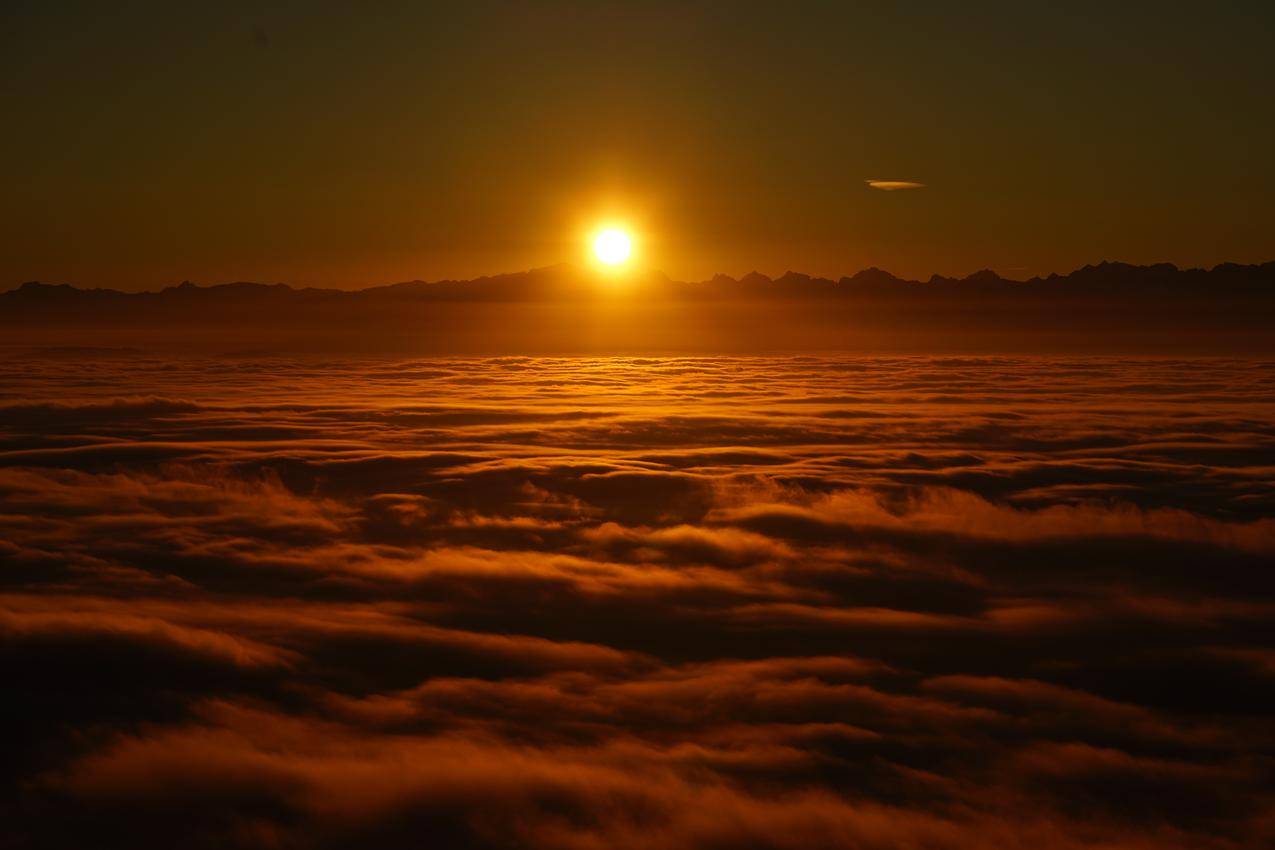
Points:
(319, 144)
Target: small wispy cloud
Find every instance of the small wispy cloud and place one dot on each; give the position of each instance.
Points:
(894, 185)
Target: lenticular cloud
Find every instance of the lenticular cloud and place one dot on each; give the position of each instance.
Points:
(638, 603)
(894, 185)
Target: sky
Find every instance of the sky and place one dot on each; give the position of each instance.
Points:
(348, 145)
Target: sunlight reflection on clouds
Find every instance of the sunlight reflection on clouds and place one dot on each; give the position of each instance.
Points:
(708, 602)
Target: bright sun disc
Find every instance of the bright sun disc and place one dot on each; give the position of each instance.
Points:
(612, 247)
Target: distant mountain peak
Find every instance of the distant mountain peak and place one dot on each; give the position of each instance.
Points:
(872, 275)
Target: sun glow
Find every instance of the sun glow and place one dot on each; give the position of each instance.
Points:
(612, 246)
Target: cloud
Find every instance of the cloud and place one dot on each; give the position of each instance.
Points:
(894, 185)
(636, 603)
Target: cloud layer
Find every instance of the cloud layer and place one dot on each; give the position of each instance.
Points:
(638, 603)
(894, 185)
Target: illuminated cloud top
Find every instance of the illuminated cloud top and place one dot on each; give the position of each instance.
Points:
(894, 185)
(792, 603)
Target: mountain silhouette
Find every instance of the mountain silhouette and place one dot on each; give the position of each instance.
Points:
(1107, 306)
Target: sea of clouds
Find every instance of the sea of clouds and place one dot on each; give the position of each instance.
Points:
(632, 604)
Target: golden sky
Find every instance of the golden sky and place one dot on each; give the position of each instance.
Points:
(342, 145)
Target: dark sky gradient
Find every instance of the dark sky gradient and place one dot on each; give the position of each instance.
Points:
(343, 145)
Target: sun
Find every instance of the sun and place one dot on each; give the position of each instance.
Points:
(612, 246)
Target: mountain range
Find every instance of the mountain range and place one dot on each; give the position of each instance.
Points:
(1103, 307)
(569, 278)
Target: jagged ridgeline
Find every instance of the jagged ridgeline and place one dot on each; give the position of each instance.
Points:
(1108, 307)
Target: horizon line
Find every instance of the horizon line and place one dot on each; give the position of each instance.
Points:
(982, 273)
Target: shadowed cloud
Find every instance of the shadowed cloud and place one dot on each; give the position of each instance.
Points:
(869, 602)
